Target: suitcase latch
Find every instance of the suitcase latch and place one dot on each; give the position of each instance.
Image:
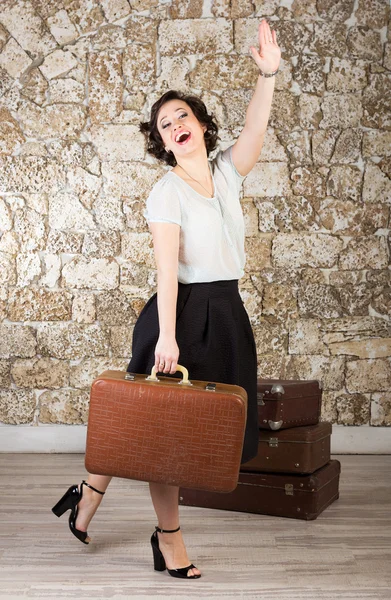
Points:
(275, 424)
(130, 376)
(260, 396)
(273, 442)
(211, 387)
(277, 389)
(289, 489)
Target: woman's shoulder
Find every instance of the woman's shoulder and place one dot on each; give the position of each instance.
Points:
(165, 183)
(223, 162)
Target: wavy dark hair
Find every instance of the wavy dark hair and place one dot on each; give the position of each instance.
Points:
(155, 144)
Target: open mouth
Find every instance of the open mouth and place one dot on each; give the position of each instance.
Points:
(183, 138)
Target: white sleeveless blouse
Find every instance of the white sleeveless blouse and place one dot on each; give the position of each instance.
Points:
(211, 246)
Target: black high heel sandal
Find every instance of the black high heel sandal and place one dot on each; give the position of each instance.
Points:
(70, 500)
(158, 558)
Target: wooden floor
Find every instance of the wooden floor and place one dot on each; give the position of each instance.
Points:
(344, 553)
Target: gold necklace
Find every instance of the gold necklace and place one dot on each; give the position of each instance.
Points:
(198, 181)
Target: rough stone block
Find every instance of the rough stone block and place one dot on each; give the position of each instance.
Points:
(376, 143)
(56, 120)
(374, 14)
(329, 39)
(101, 244)
(93, 273)
(345, 217)
(139, 67)
(364, 252)
(130, 180)
(115, 9)
(27, 27)
(58, 63)
(279, 301)
(32, 174)
(353, 409)
(347, 76)
(311, 250)
(305, 337)
(368, 375)
(319, 300)
(194, 36)
(335, 10)
(267, 179)
(39, 305)
(257, 251)
(17, 340)
(70, 341)
(5, 374)
(17, 406)
(83, 308)
(14, 60)
(108, 213)
(270, 337)
(106, 86)
(222, 72)
(381, 409)
(118, 142)
(28, 268)
(64, 406)
(328, 370)
(121, 337)
(7, 269)
(138, 248)
(114, 308)
(61, 27)
(376, 101)
(377, 186)
(67, 212)
(40, 373)
(341, 110)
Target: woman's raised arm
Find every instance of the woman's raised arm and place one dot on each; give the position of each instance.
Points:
(247, 148)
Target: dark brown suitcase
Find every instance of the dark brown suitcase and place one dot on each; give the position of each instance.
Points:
(280, 495)
(284, 403)
(296, 450)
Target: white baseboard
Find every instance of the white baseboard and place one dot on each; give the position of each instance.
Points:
(72, 438)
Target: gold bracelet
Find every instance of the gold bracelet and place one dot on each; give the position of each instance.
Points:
(268, 74)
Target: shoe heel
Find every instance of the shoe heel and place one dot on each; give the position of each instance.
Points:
(159, 563)
(65, 503)
(158, 560)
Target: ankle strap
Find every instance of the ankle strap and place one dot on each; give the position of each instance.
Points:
(90, 486)
(167, 530)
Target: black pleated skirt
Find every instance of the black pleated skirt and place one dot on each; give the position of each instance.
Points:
(215, 339)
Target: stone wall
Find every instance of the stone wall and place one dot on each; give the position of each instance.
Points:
(76, 257)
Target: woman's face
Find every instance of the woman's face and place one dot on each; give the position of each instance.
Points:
(176, 117)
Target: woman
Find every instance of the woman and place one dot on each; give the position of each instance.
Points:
(196, 221)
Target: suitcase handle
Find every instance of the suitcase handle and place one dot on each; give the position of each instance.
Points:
(183, 370)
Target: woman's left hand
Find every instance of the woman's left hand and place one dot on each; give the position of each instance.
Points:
(269, 56)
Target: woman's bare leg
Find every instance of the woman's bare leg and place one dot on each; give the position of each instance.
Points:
(90, 501)
(165, 500)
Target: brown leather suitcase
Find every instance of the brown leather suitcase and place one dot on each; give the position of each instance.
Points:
(166, 430)
(284, 403)
(295, 450)
(277, 494)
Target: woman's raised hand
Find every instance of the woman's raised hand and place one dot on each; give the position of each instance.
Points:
(269, 56)
(166, 354)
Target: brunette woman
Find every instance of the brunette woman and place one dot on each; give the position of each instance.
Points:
(197, 314)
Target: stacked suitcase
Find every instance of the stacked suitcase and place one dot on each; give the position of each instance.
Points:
(292, 474)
